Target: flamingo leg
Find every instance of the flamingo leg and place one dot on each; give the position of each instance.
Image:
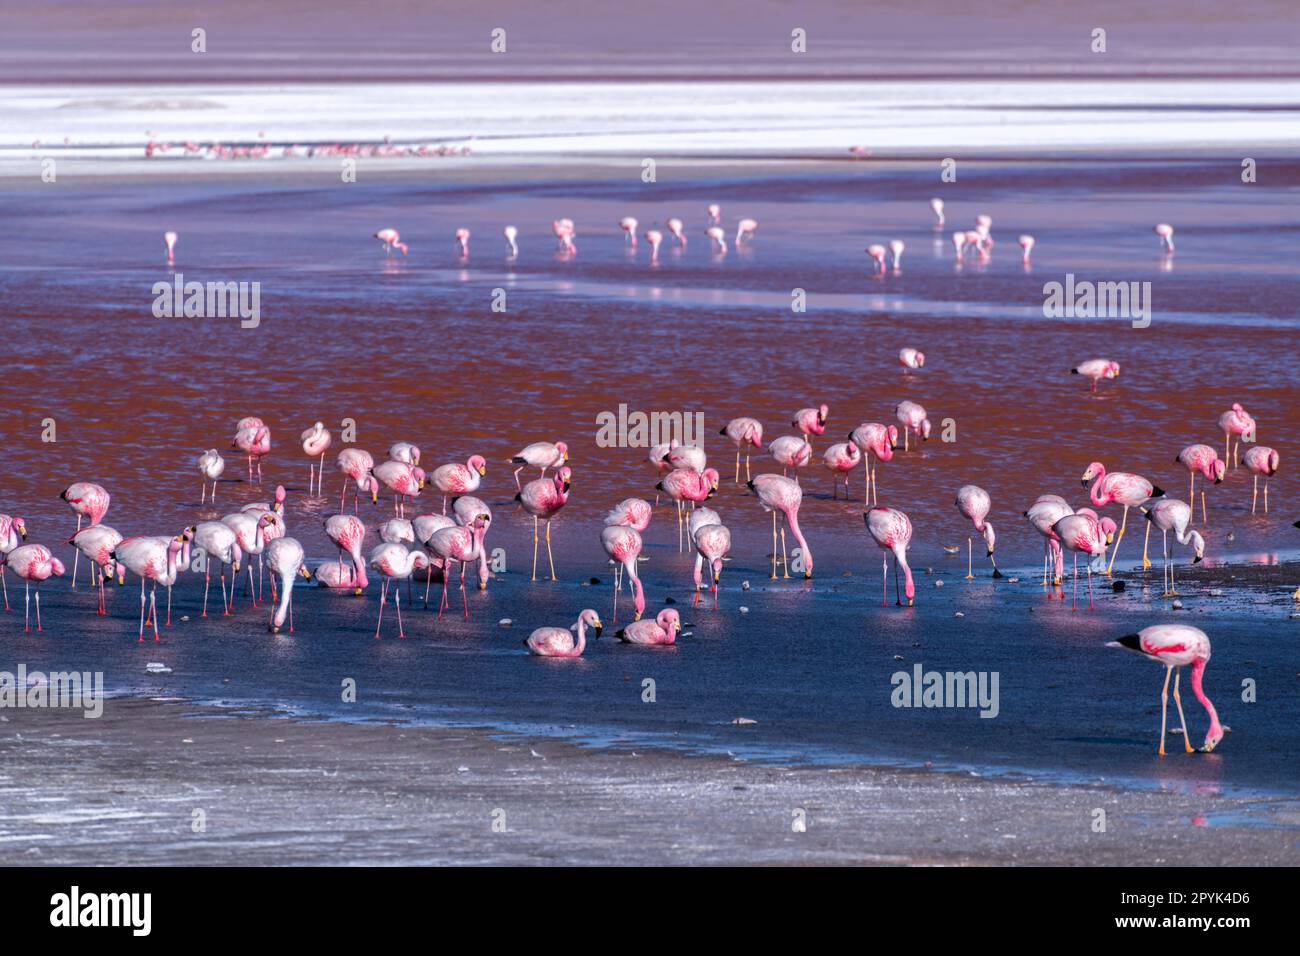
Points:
(1074, 603)
(463, 596)
(224, 604)
(207, 581)
(737, 481)
(169, 606)
(785, 559)
(397, 606)
(428, 579)
(1178, 702)
(153, 608)
(27, 606)
(5, 585)
(773, 545)
(748, 476)
(898, 597)
(383, 597)
(549, 556)
(1254, 497)
(1146, 561)
(1164, 709)
(290, 585)
(38, 609)
(141, 611)
(1122, 525)
(444, 570)
(884, 581)
(970, 570)
(1205, 520)
(76, 556)
(446, 573)
(1091, 606)
(1265, 495)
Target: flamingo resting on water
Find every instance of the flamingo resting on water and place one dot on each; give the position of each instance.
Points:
(1170, 514)
(974, 502)
(660, 630)
(559, 642)
(778, 493)
(1177, 646)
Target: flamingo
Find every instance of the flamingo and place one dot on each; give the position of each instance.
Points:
(1082, 534)
(841, 458)
(686, 456)
(686, 484)
(33, 562)
(660, 630)
(1027, 244)
(675, 230)
(718, 239)
(462, 240)
(1176, 646)
(336, 575)
(12, 528)
(791, 451)
(1261, 460)
(251, 536)
(261, 507)
(395, 562)
(211, 465)
(1206, 460)
(634, 513)
(284, 557)
(628, 225)
(623, 544)
(1123, 488)
(911, 358)
(914, 419)
(540, 454)
(896, 247)
(391, 239)
(358, 466)
(397, 531)
(811, 421)
(745, 230)
(874, 440)
(1166, 234)
(974, 502)
(348, 532)
(877, 253)
(1043, 515)
(315, 441)
(778, 493)
(97, 543)
(253, 438)
(424, 527)
(892, 531)
(543, 498)
(937, 206)
(1236, 421)
(1096, 369)
(403, 480)
(155, 559)
(512, 234)
(87, 500)
(656, 239)
(1170, 514)
(564, 233)
(405, 452)
(558, 642)
(744, 432)
(959, 245)
(458, 479)
(715, 213)
(461, 544)
(219, 544)
(712, 544)
(169, 240)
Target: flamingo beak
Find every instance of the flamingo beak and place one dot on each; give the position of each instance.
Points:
(482, 471)
(357, 592)
(23, 532)
(305, 572)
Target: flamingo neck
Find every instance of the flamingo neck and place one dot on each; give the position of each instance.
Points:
(282, 609)
(900, 555)
(1198, 672)
(582, 637)
(793, 518)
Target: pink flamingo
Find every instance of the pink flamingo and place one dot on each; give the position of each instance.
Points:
(712, 544)
(1166, 234)
(791, 451)
(744, 432)
(358, 466)
(656, 239)
(1170, 514)
(1204, 459)
(877, 253)
(337, 576)
(543, 498)
(405, 452)
(1096, 369)
(253, 438)
(391, 239)
(558, 642)
(937, 206)
(403, 480)
(466, 508)
(1261, 460)
(12, 528)
(718, 239)
(1043, 515)
(686, 456)
(564, 233)
(395, 562)
(33, 562)
(154, 559)
(686, 484)
(219, 543)
(974, 503)
(97, 543)
(675, 230)
(169, 239)
(745, 230)
(1236, 421)
(251, 535)
(87, 500)
(628, 225)
(512, 234)
(424, 527)
(715, 213)
(911, 358)
(461, 544)
(211, 466)
(658, 456)
(458, 479)
(778, 493)
(1082, 534)
(1121, 487)
(841, 458)
(658, 631)
(1027, 244)
(634, 513)
(540, 454)
(462, 240)
(914, 419)
(892, 531)
(874, 440)
(623, 544)
(315, 441)
(285, 558)
(1175, 646)
(811, 421)
(896, 247)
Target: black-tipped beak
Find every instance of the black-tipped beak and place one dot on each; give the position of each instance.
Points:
(599, 631)
(1084, 482)
(1198, 559)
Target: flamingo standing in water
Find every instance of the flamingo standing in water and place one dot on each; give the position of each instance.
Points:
(658, 456)
(219, 544)
(675, 230)
(154, 559)
(686, 456)
(841, 458)
(634, 513)
(656, 239)
(424, 527)
(811, 421)
(1096, 369)
(461, 544)
(540, 454)
(33, 562)
(718, 239)
(253, 438)
(358, 466)
(405, 452)
(623, 544)
(1170, 514)
(687, 484)
(284, 557)
(1206, 460)
(892, 530)
(1027, 244)
(1261, 460)
(458, 479)
(391, 239)
(715, 213)
(543, 498)
(512, 234)
(1236, 421)
(12, 528)
(97, 543)
(462, 240)
(914, 419)
(558, 642)
(394, 562)
(911, 358)
(791, 451)
(1166, 234)
(1043, 515)
(877, 253)
(87, 500)
(974, 502)
(744, 432)
(169, 240)
(564, 233)
(211, 466)
(1176, 646)
(778, 493)
(896, 247)
(315, 441)
(1121, 487)
(658, 631)
(878, 441)
(347, 532)
(1083, 534)
(628, 225)
(745, 230)
(937, 206)
(251, 535)
(712, 544)
(403, 480)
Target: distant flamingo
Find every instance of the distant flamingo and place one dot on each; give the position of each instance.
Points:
(284, 557)
(87, 500)
(1261, 460)
(253, 438)
(1236, 421)
(219, 544)
(462, 240)
(1096, 369)
(841, 458)
(744, 432)
(97, 543)
(1166, 234)
(896, 247)
(540, 454)
(911, 358)
(1027, 244)
(1123, 488)
(358, 466)
(712, 544)
(718, 239)
(512, 234)
(543, 498)
(937, 206)
(715, 213)
(558, 642)
(12, 528)
(675, 230)
(211, 466)
(914, 419)
(656, 239)
(155, 559)
(169, 239)
(686, 484)
(461, 544)
(564, 233)
(1170, 514)
(874, 440)
(745, 230)
(892, 530)
(623, 544)
(315, 441)
(1206, 460)
(1176, 646)
(658, 631)
(391, 240)
(458, 479)
(628, 225)
(777, 493)
(877, 253)
(403, 480)
(1082, 534)
(394, 562)
(974, 502)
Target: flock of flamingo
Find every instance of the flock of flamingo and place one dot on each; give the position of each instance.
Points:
(436, 543)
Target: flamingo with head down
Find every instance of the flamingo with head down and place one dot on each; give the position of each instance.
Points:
(841, 458)
(1237, 422)
(284, 556)
(914, 419)
(811, 421)
(394, 562)
(1177, 646)
(358, 466)
(33, 562)
(12, 528)
(1096, 369)
(1170, 514)
(712, 544)
(892, 531)
(253, 438)
(974, 502)
(87, 500)
(1082, 533)
(687, 484)
(778, 493)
